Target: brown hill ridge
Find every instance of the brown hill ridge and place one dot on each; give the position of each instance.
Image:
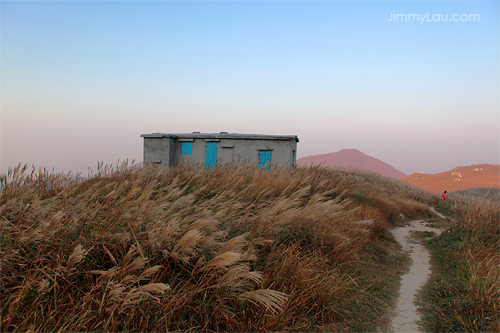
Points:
(352, 158)
(460, 178)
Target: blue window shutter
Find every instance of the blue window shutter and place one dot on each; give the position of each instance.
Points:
(187, 148)
(265, 159)
(211, 154)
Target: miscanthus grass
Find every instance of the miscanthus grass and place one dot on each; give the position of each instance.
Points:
(463, 294)
(227, 249)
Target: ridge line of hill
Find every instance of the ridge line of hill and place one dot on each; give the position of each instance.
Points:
(460, 178)
(352, 158)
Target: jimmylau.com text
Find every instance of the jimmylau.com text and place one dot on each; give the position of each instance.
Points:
(394, 17)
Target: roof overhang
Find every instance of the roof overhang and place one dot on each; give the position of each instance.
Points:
(234, 136)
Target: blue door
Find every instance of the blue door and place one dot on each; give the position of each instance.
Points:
(265, 159)
(211, 154)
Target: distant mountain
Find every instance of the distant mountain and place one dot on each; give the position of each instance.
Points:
(352, 158)
(460, 178)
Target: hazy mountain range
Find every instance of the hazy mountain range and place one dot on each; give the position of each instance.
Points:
(352, 158)
(460, 178)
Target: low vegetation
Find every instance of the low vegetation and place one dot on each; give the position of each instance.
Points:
(226, 249)
(463, 294)
(485, 193)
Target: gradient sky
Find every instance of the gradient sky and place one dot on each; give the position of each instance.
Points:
(80, 81)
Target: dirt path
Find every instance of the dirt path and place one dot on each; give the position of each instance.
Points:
(406, 316)
(438, 214)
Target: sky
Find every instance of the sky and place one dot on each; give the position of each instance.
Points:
(81, 81)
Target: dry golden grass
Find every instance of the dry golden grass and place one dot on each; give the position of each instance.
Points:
(464, 291)
(227, 249)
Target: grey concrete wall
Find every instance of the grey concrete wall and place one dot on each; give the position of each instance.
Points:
(198, 156)
(282, 151)
(249, 149)
(159, 150)
(293, 153)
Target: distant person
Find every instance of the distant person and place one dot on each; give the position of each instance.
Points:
(444, 196)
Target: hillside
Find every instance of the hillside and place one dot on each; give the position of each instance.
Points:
(188, 249)
(352, 158)
(460, 178)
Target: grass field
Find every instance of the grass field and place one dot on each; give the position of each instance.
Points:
(226, 249)
(463, 294)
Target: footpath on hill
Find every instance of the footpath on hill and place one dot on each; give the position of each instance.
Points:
(406, 315)
(227, 249)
